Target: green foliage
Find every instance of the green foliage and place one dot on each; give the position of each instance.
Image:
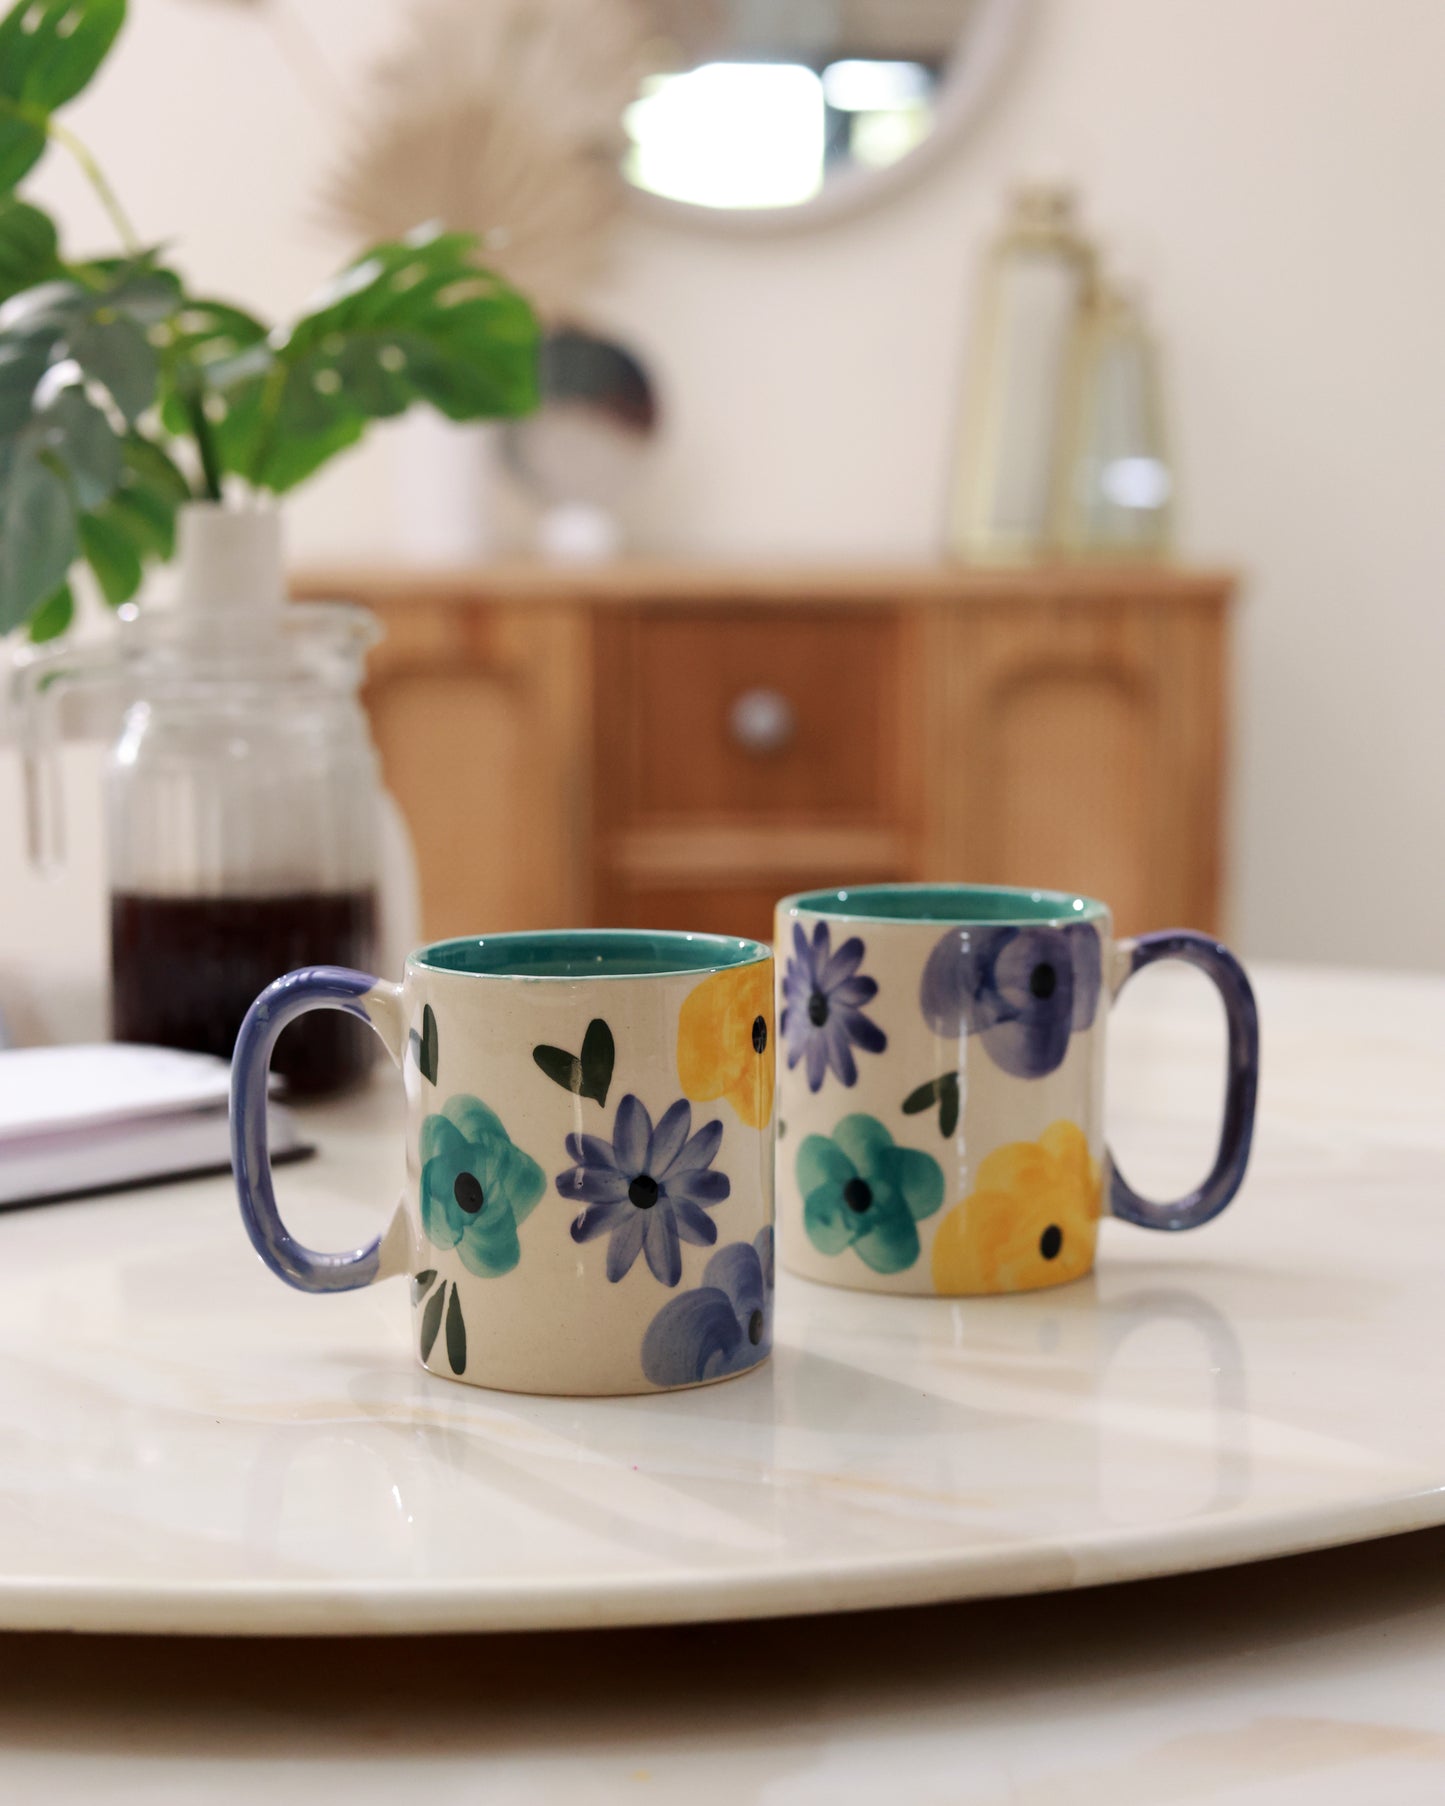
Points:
(49, 49)
(101, 360)
(29, 252)
(53, 617)
(22, 144)
(408, 322)
(77, 372)
(38, 537)
(144, 503)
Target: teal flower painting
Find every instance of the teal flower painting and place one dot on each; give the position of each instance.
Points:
(861, 1191)
(476, 1187)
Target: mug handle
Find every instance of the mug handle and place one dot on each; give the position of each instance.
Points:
(1241, 1087)
(313, 988)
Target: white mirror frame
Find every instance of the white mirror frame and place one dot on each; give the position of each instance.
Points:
(990, 38)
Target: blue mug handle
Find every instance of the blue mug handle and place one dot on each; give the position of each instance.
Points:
(1241, 1086)
(312, 988)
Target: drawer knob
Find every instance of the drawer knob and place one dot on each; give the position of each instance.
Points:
(762, 721)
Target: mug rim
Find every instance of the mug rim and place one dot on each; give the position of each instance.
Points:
(539, 955)
(930, 905)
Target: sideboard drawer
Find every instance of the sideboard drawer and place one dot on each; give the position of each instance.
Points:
(738, 714)
(672, 745)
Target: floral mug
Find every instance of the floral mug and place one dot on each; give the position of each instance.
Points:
(589, 1197)
(941, 1085)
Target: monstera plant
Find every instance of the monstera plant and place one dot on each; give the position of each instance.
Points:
(123, 394)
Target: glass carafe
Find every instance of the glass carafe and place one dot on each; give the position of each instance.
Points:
(241, 799)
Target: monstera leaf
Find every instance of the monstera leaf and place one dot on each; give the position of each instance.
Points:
(49, 49)
(103, 360)
(133, 525)
(29, 253)
(412, 321)
(77, 371)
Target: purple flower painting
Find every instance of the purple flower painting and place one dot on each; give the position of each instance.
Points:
(1022, 991)
(723, 1326)
(648, 1189)
(823, 998)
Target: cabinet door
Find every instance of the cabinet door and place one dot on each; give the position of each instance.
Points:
(482, 720)
(745, 751)
(1079, 748)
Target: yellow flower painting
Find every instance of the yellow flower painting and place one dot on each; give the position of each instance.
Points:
(725, 1041)
(1031, 1220)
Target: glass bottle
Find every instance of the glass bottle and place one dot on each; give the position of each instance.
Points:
(1113, 489)
(241, 798)
(1035, 280)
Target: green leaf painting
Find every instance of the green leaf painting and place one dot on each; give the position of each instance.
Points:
(590, 1074)
(456, 1333)
(431, 1318)
(431, 1321)
(428, 1052)
(942, 1091)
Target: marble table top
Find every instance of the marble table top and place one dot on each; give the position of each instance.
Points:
(184, 1444)
(188, 1445)
(1313, 1681)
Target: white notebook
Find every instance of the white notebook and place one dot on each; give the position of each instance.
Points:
(79, 1120)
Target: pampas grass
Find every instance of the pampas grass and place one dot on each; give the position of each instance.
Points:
(503, 118)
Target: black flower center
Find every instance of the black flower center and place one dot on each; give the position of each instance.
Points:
(468, 1193)
(817, 1009)
(755, 1328)
(858, 1195)
(760, 1034)
(1043, 981)
(643, 1191)
(1051, 1241)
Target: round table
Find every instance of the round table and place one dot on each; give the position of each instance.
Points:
(190, 1447)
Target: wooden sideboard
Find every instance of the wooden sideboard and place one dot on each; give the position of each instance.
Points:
(677, 746)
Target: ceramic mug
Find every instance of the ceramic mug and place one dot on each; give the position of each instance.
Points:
(941, 1080)
(589, 1143)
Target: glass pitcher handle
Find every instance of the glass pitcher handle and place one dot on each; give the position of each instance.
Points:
(38, 681)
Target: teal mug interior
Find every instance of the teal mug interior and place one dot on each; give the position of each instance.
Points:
(948, 904)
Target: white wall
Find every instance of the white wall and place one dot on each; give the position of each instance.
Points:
(1270, 168)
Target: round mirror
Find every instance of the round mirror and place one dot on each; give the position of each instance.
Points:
(776, 112)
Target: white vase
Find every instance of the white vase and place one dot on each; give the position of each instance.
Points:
(446, 488)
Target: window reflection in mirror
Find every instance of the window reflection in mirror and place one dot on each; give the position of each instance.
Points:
(759, 106)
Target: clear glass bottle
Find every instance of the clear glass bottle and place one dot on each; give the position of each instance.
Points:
(241, 799)
(1034, 282)
(1114, 489)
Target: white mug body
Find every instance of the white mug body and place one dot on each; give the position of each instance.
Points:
(917, 1156)
(941, 1055)
(589, 1158)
